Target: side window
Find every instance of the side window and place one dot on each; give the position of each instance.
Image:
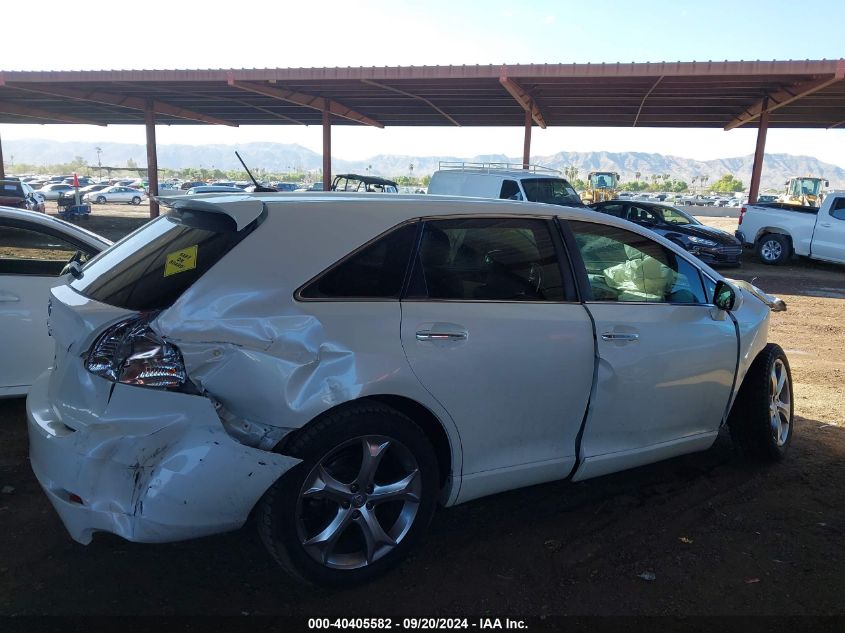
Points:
(624, 266)
(838, 210)
(642, 215)
(510, 190)
(616, 210)
(31, 252)
(487, 259)
(374, 271)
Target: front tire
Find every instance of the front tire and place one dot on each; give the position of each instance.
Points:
(359, 501)
(762, 418)
(774, 249)
(136, 200)
(101, 199)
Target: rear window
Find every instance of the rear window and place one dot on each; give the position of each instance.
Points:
(150, 268)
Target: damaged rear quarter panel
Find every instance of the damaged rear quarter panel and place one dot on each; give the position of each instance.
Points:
(270, 359)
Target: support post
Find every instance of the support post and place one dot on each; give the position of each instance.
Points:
(526, 146)
(327, 148)
(152, 158)
(2, 169)
(757, 168)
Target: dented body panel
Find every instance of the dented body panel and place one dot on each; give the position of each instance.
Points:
(135, 466)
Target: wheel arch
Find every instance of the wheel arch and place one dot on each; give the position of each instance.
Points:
(430, 424)
(767, 230)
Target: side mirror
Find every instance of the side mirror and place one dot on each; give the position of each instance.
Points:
(724, 296)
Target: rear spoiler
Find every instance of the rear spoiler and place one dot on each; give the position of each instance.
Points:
(243, 209)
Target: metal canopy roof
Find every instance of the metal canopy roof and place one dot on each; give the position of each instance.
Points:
(797, 94)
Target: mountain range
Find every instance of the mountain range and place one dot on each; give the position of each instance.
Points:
(280, 157)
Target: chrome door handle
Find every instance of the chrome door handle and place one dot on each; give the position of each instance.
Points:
(428, 335)
(619, 336)
(8, 296)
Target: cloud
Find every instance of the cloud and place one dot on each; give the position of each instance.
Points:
(549, 19)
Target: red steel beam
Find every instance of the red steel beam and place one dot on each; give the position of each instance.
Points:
(152, 158)
(526, 145)
(806, 68)
(133, 103)
(757, 168)
(46, 115)
(327, 147)
(524, 98)
(310, 101)
(786, 96)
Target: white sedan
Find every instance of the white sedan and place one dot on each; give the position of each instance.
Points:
(336, 365)
(34, 250)
(55, 190)
(116, 193)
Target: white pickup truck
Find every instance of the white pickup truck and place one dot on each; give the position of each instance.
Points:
(777, 231)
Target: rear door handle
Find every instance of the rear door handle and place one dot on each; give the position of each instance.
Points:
(430, 335)
(619, 336)
(825, 224)
(8, 296)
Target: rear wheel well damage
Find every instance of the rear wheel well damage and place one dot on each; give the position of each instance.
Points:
(418, 413)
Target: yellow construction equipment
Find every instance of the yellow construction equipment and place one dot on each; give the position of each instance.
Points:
(805, 190)
(601, 186)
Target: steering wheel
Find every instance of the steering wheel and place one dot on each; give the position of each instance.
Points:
(535, 276)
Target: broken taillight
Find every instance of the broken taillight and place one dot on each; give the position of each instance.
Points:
(132, 353)
(741, 215)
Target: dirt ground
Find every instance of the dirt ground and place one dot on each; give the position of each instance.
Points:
(721, 536)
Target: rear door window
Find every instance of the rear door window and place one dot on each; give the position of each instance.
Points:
(375, 271)
(152, 267)
(487, 259)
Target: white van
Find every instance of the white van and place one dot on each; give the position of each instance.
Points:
(503, 181)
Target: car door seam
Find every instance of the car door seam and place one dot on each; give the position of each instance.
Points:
(732, 393)
(580, 435)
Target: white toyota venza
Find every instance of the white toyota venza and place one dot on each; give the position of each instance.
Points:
(337, 365)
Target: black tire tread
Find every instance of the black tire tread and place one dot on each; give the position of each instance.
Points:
(785, 242)
(748, 420)
(299, 446)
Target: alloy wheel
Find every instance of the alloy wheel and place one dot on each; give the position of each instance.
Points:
(771, 250)
(780, 411)
(358, 502)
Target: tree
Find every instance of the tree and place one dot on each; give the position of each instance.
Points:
(727, 184)
(131, 164)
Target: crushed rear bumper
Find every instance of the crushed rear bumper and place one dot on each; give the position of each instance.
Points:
(152, 466)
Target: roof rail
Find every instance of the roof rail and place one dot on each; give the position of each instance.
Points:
(493, 167)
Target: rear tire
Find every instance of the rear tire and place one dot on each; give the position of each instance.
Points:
(762, 418)
(774, 249)
(331, 520)
(136, 200)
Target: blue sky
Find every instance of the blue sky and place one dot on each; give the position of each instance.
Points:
(270, 34)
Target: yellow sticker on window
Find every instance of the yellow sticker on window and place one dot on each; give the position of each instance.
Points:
(180, 261)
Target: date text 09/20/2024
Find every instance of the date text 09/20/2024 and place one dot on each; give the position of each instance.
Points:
(416, 623)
